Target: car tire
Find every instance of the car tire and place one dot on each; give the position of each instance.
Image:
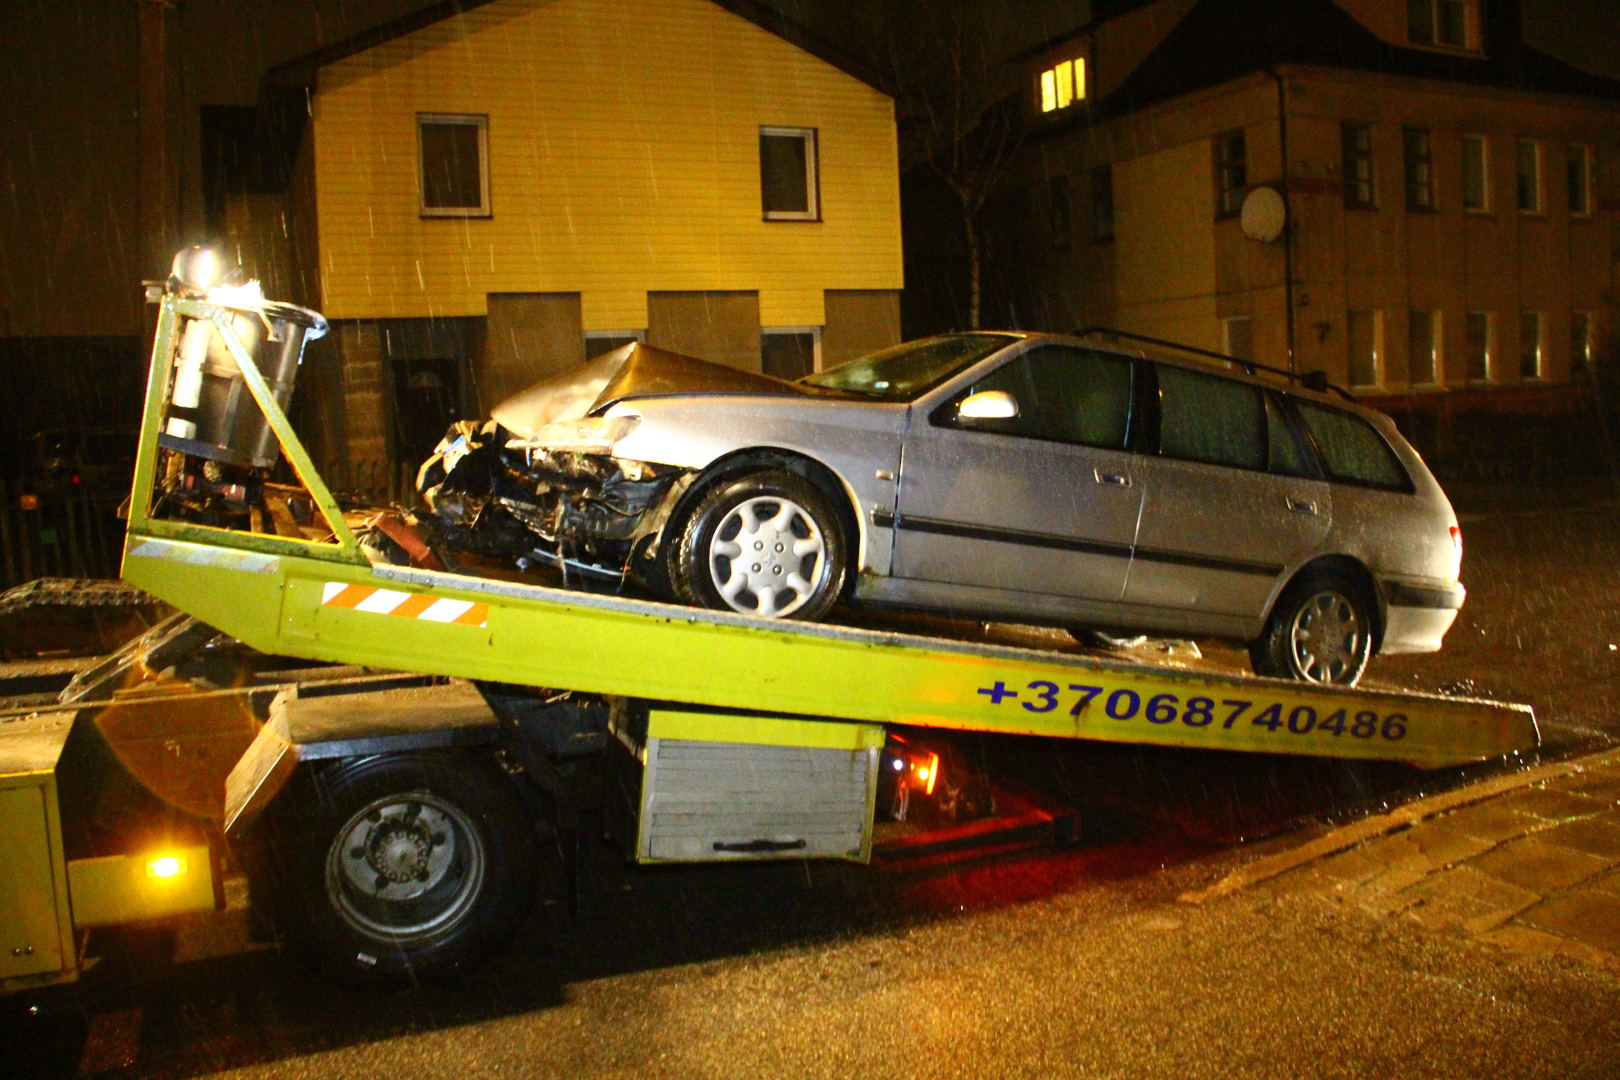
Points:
(790, 528)
(400, 869)
(1321, 631)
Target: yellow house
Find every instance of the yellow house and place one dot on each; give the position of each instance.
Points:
(1399, 193)
(503, 189)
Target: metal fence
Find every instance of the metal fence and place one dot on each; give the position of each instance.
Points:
(73, 532)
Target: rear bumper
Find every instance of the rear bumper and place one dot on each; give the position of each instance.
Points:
(1416, 617)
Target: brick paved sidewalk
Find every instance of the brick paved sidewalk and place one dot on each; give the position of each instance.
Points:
(1529, 862)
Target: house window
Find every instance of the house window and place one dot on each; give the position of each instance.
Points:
(1102, 202)
(789, 352)
(789, 181)
(1423, 347)
(1580, 181)
(1476, 192)
(1058, 211)
(1478, 335)
(1580, 340)
(454, 152)
(1063, 84)
(1530, 325)
(1358, 166)
(1419, 169)
(1231, 172)
(1446, 23)
(1237, 335)
(598, 342)
(1527, 173)
(1366, 332)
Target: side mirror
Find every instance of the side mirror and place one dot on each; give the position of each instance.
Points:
(988, 405)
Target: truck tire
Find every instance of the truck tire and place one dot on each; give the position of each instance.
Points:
(403, 868)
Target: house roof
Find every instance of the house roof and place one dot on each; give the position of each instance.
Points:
(1222, 40)
(299, 72)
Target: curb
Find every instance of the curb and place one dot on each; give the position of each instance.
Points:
(1402, 817)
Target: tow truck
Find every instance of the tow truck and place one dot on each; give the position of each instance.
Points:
(392, 824)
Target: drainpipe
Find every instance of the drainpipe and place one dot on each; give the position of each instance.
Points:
(1288, 215)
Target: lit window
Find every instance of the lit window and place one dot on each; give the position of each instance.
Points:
(1423, 347)
(788, 178)
(1231, 172)
(1580, 181)
(1580, 340)
(1366, 332)
(1102, 203)
(1063, 84)
(1527, 173)
(1440, 22)
(598, 342)
(1419, 169)
(1476, 192)
(1530, 344)
(790, 352)
(454, 152)
(1478, 333)
(1358, 166)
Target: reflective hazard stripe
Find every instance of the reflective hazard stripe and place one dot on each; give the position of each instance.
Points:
(404, 604)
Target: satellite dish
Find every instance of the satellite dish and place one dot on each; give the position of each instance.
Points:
(1263, 215)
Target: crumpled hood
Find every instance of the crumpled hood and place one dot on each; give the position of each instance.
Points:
(633, 371)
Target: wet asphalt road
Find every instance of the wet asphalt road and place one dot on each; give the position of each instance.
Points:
(1036, 962)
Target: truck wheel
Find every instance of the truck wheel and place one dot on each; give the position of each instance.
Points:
(1320, 631)
(405, 868)
(766, 543)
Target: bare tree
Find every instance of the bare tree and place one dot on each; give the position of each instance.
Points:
(959, 114)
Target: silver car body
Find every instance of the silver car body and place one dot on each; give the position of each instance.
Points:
(972, 521)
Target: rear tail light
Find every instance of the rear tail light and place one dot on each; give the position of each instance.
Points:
(1456, 541)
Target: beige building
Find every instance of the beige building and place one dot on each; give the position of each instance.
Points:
(488, 192)
(1399, 193)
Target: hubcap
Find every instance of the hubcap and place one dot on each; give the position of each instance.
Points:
(405, 866)
(767, 556)
(1327, 639)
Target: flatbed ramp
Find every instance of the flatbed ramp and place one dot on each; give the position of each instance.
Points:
(475, 628)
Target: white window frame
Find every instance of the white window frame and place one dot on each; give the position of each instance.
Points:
(480, 121)
(1470, 27)
(1487, 361)
(1377, 328)
(812, 174)
(1483, 142)
(1538, 199)
(815, 342)
(1437, 349)
(1583, 154)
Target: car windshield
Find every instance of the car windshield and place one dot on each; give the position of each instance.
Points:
(904, 371)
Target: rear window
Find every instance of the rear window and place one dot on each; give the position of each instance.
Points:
(1352, 450)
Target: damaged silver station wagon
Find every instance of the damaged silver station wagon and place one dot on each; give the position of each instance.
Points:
(1027, 477)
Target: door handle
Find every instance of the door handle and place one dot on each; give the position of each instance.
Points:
(1302, 506)
(1115, 479)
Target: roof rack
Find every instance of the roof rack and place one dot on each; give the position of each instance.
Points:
(1310, 380)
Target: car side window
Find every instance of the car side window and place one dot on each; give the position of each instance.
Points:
(1211, 419)
(1284, 455)
(1064, 394)
(1352, 450)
